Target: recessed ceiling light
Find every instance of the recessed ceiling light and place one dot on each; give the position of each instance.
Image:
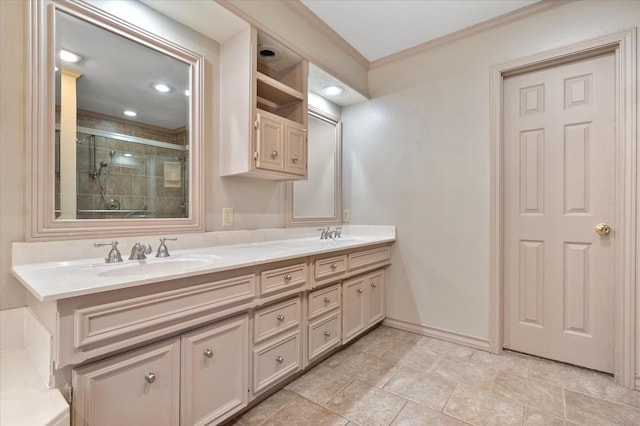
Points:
(161, 87)
(130, 113)
(332, 90)
(268, 53)
(67, 56)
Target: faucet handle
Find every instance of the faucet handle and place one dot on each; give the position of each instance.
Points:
(338, 231)
(114, 254)
(162, 249)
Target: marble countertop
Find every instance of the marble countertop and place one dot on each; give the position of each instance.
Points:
(54, 279)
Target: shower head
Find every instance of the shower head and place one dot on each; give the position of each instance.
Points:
(103, 164)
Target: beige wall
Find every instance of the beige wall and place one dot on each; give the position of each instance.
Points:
(417, 156)
(12, 103)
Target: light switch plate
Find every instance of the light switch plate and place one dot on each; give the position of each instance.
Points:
(227, 216)
(346, 215)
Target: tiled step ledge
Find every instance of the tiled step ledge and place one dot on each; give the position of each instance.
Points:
(25, 370)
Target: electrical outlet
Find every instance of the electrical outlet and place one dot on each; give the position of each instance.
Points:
(227, 216)
(346, 216)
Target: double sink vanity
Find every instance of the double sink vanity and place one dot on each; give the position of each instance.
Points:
(195, 337)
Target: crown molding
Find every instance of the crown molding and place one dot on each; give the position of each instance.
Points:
(312, 19)
(469, 31)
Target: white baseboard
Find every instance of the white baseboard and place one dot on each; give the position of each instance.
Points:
(438, 333)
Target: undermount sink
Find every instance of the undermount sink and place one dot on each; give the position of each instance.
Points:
(147, 267)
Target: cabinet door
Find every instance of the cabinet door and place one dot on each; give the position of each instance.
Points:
(270, 143)
(296, 150)
(215, 361)
(353, 304)
(376, 296)
(137, 388)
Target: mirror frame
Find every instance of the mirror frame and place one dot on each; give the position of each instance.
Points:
(40, 146)
(336, 219)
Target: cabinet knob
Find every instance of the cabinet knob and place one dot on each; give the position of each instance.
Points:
(280, 317)
(333, 266)
(287, 277)
(274, 154)
(294, 158)
(327, 300)
(279, 359)
(208, 353)
(327, 333)
(359, 291)
(150, 377)
(374, 285)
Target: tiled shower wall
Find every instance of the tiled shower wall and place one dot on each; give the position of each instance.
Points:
(134, 177)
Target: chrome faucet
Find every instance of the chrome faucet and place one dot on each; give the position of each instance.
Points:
(139, 251)
(114, 254)
(328, 233)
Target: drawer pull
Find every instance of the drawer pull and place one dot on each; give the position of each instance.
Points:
(374, 285)
(287, 277)
(208, 353)
(280, 317)
(294, 158)
(150, 377)
(327, 333)
(274, 154)
(333, 266)
(359, 291)
(279, 359)
(327, 300)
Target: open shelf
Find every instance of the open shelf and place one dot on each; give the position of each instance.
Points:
(277, 92)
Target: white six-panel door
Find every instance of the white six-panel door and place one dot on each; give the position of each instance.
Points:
(559, 147)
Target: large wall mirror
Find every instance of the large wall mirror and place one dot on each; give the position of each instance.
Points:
(116, 139)
(317, 201)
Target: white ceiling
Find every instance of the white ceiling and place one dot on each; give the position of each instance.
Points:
(379, 28)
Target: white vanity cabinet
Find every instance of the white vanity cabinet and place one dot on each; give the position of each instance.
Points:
(263, 108)
(363, 303)
(199, 378)
(197, 349)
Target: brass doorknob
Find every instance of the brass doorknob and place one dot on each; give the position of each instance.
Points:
(603, 229)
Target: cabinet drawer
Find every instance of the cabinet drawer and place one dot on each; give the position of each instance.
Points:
(324, 334)
(374, 257)
(332, 267)
(275, 319)
(101, 323)
(277, 280)
(324, 300)
(274, 362)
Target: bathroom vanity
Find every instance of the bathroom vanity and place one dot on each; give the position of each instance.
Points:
(196, 337)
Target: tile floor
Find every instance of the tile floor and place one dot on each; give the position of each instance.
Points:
(392, 377)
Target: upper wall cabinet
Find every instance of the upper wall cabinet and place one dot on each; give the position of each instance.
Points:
(263, 111)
